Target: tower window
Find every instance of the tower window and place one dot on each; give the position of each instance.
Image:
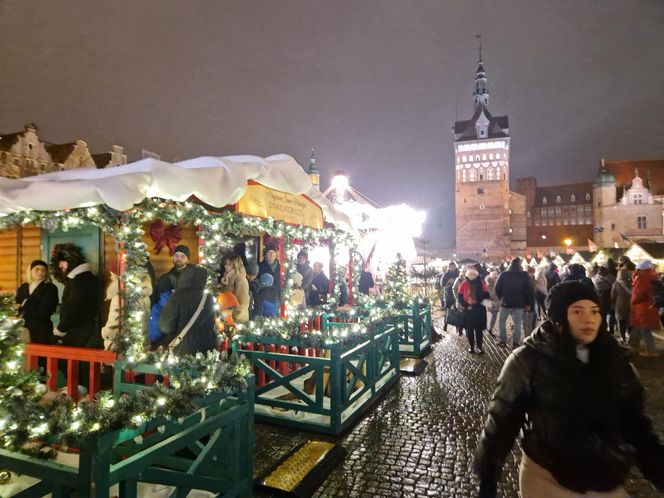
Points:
(558, 199)
(471, 175)
(587, 197)
(489, 174)
(544, 200)
(572, 198)
(480, 190)
(641, 222)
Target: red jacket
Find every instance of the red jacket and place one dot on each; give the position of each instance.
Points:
(642, 311)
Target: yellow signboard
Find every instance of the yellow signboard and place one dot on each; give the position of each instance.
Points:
(265, 202)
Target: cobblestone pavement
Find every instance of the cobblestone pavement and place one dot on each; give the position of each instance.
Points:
(418, 440)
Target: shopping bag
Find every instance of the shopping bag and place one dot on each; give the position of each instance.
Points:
(455, 317)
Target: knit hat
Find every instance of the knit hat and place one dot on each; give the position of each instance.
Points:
(266, 280)
(183, 249)
(252, 268)
(515, 263)
(646, 264)
(563, 295)
(471, 273)
(303, 253)
(271, 247)
(38, 262)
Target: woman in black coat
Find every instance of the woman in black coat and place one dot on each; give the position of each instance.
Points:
(37, 299)
(572, 393)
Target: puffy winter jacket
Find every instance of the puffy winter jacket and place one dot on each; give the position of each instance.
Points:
(643, 313)
(584, 423)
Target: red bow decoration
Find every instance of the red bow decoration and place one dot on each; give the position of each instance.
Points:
(165, 235)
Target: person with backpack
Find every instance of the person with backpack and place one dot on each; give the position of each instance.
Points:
(644, 308)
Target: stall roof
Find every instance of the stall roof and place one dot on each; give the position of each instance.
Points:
(217, 181)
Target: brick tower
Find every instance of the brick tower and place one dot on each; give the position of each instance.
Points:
(482, 195)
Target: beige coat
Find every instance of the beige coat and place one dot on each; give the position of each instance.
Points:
(238, 285)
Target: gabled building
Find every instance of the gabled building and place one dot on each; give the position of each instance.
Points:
(490, 220)
(626, 206)
(26, 154)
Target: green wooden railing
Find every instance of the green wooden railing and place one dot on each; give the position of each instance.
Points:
(210, 449)
(327, 392)
(414, 327)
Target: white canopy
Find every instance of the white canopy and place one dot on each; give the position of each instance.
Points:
(218, 181)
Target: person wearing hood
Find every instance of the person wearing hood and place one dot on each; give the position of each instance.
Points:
(515, 292)
(471, 293)
(304, 268)
(187, 321)
(576, 400)
(621, 294)
(79, 308)
(271, 265)
(575, 271)
(643, 313)
(37, 300)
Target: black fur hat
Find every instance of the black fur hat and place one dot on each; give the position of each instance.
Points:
(68, 252)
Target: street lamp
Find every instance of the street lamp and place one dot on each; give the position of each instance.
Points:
(567, 242)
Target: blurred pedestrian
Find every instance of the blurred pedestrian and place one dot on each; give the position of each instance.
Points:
(643, 312)
(471, 293)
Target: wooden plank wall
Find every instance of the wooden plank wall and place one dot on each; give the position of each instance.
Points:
(163, 261)
(18, 248)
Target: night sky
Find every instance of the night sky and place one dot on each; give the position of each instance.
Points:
(374, 85)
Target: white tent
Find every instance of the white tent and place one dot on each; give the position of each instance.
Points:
(218, 181)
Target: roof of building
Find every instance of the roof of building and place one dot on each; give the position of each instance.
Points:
(579, 190)
(652, 172)
(604, 177)
(102, 160)
(60, 152)
(8, 141)
(655, 249)
(466, 130)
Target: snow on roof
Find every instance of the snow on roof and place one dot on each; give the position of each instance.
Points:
(218, 181)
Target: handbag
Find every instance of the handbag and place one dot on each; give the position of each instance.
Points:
(455, 317)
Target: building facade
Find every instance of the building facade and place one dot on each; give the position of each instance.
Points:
(626, 206)
(25, 154)
(557, 214)
(490, 220)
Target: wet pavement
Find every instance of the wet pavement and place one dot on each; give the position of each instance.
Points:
(418, 440)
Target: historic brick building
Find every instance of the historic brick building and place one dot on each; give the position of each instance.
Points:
(490, 220)
(557, 213)
(25, 154)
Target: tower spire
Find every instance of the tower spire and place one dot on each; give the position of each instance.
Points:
(480, 92)
(312, 170)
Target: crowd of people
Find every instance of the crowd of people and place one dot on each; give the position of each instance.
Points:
(631, 298)
(569, 391)
(179, 314)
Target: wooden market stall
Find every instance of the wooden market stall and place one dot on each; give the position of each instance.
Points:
(111, 214)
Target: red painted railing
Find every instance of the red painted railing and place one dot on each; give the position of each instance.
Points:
(74, 357)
